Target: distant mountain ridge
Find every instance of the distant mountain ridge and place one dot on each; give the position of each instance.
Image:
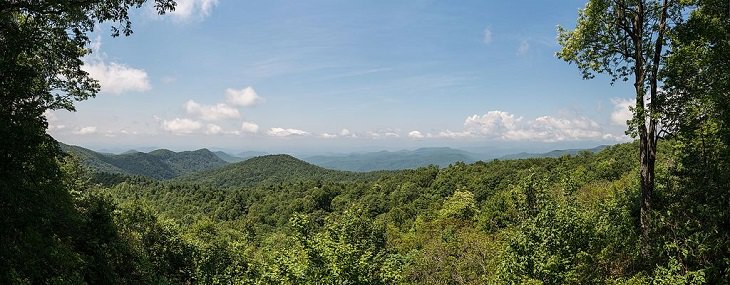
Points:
(157, 164)
(554, 153)
(270, 169)
(228, 157)
(392, 160)
(167, 164)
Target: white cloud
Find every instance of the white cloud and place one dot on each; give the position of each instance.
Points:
(492, 123)
(187, 9)
(347, 133)
(621, 112)
(386, 133)
(181, 126)
(506, 126)
(281, 132)
(86, 131)
(213, 129)
(249, 127)
(487, 36)
(53, 121)
(550, 129)
(523, 48)
(344, 133)
(245, 97)
(452, 135)
(211, 113)
(415, 135)
(114, 78)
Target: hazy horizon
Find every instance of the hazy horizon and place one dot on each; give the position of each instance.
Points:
(495, 150)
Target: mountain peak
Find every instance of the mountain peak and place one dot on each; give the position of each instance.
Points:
(270, 169)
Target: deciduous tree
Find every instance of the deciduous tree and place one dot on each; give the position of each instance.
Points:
(41, 48)
(627, 39)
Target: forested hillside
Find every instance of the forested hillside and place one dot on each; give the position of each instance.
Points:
(392, 160)
(555, 220)
(157, 164)
(271, 169)
(554, 153)
(228, 157)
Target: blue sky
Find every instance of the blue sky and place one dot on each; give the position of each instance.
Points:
(338, 76)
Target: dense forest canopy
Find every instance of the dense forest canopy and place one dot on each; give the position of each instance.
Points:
(74, 217)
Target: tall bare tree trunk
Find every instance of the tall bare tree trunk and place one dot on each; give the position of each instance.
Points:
(647, 152)
(650, 137)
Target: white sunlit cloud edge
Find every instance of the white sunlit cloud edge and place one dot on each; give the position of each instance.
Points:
(186, 11)
(503, 126)
(245, 97)
(222, 113)
(621, 111)
(114, 78)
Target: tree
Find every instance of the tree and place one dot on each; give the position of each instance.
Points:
(42, 44)
(697, 76)
(625, 38)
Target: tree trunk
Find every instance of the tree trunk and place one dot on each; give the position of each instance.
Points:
(647, 152)
(645, 130)
(650, 138)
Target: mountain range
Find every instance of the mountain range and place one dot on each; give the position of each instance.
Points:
(157, 164)
(271, 169)
(221, 167)
(392, 160)
(554, 153)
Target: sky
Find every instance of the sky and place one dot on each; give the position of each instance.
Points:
(342, 76)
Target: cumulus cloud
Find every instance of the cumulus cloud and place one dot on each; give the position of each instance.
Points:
(487, 36)
(506, 126)
(415, 135)
(347, 133)
(85, 131)
(53, 121)
(249, 127)
(114, 78)
(621, 111)
(550, 129)
(211, 113)
(493, 122)
(452, 135)
(188, 9)
(281, 132)
(213, 129)
(344, 133)
(181, 126)
(386, 133)
(245, 97)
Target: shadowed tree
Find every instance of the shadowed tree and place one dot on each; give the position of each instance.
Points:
(41, 48)
(697, 77)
